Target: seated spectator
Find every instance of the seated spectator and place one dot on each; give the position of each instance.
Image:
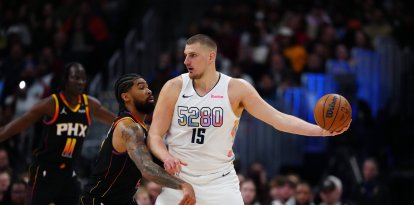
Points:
(314, 64)
(267, 87)
(5, 178)
(4, 159)
(295, 53)
(258, 174)
(371, 191)
(377, 25)
(236, 71)
(331, 191)
(163, 72)
(18, 191)
(303, 194)
(281, 191)
(282, 72)
(248, 192)
(341, 63)
(142, 197)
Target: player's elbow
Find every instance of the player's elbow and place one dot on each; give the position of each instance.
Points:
(146, 175)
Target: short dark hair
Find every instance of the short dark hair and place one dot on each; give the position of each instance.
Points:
(203, 40)
(66, 72)
(280, 181)
(122, 85)
(19, 181)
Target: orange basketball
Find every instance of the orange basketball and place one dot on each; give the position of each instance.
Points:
(332, 112)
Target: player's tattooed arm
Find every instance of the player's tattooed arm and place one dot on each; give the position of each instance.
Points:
(133, 136)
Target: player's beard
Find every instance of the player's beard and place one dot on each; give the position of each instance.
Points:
(145, 107)
(194, 76)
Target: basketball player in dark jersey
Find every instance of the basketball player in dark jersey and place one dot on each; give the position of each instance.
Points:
(66, 118)
(124, 158)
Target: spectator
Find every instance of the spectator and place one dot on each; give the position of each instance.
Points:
(267, 87)
(315, 19)
(282, 74)
(164, 71)
(327, 38)
(359, 39)
(296, 53)
(142, 197)
(258, 174)
(314, 64)
(18, 191)
(248, 192)
(43, 35)
(80, 40)
(296, 22)
(11, 67)
(4, 160)
(236, 71)
(5, 178)
(281, 191)
(303, 194)
(371, 191)
(377, 26)
(331, 191)
(340, 65)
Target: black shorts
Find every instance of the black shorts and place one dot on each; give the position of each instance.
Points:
(89, 200)
(52, 185)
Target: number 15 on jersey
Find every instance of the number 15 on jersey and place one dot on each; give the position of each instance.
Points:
(198, 135)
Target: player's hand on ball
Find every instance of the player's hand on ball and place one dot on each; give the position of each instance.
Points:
(333, 113)
(173, 165)
(333, 133)
(188, 195)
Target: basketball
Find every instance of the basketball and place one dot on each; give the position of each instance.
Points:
(332, 112)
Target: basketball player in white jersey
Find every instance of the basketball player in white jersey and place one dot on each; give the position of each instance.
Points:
(198, 114)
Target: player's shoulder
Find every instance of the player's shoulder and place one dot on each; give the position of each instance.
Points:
(122, 122)
(46, 106)
(126, 123)
(238, 83)
(92, 99)
(239, 88)
(50, 100)
(174, 83)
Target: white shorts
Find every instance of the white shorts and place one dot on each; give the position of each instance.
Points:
(221, 188)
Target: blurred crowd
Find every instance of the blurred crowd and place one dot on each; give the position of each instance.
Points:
(37, 38)
(290, 189)
(269, 43)
(272, 43)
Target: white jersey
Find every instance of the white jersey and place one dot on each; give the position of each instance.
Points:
(203, 128)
